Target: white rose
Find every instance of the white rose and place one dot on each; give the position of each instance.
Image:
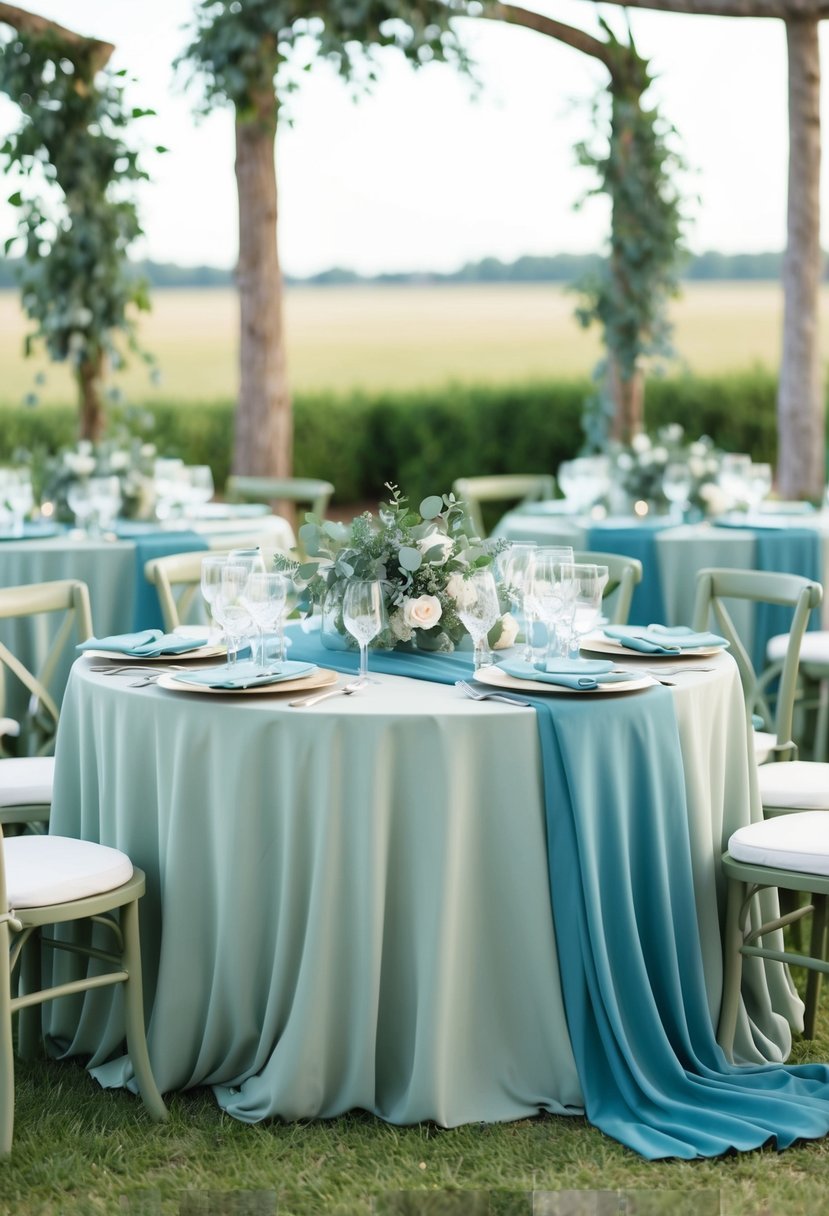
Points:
(79, 463)
(624, 461)
(119, 460)
(457, 588)
(696, 467)
(422, 613)
(509, 632)
(398, 626)
(436, 540)
(673, 432)
(640, 442)
(660, 455)
(697, 449)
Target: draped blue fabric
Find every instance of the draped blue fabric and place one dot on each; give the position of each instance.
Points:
(146, 611)
(619, 856)
(638, 540)
(790, 551)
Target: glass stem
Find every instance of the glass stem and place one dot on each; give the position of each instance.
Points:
(364, 660)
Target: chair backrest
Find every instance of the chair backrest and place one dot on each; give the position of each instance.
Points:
(507, 488)
(177, 577)
(715, 586)
(33, 600)
(309, 490)
(623, 576)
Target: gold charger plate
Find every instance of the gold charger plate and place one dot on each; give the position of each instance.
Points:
(117, 656)
(598, 644)
(320, 678)
(500, 679)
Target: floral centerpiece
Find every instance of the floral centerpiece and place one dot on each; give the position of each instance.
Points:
(421, 558)
(640, 467)
(131, 461)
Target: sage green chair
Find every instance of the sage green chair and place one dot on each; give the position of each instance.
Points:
(790, 855)
(774, 738)
(177, 577)
(26, 780)
(623, 576)
(312, 492)
(506, 489)
(814, 677)
(50, 881)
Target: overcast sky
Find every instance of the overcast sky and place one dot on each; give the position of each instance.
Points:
(423, 175)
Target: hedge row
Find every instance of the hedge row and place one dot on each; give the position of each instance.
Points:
(424, 440)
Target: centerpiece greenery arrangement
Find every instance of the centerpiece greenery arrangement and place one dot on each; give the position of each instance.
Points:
(129, 459)
(420, 557)
(640, 467)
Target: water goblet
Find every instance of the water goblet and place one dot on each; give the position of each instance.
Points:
(759, 482)
(733, 479)
(514, 565)
(549, 556)
(229, 607)
(588, 583)
(19, 497)
(264, 597)
(105, 493)
(552, 593)
(80, 502)
(677, 484)
(199, 485)
(478, 610)
(364, 615)
(211, 581)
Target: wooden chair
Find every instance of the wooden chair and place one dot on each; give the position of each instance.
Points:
(311, 491)
(774, 738)
(624, 575)
(52, 880)
(506, 489)
(26, 781)
(790, 855)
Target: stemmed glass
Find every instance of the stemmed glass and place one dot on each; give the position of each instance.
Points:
(81, 503)
(552, 593)
(584, 600)
(364, 615)
(734, 475)
(229, 608)
(759, 483)
(200, 488)
(105, 493)
(17, 490)
(211, 581)
(549, 556)
(676, 486)
(478, 611)
(264, 597)
(515, 565)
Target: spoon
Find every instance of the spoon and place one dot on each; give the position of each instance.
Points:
(346, 691)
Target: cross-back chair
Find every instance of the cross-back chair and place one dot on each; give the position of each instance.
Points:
(504, 488)
(623, 576)
(310, 491)
(26, 780)
(50, 881)
(774, 737)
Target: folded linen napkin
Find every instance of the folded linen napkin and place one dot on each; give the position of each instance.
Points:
(583, 674)
(662, 639)
(145, 644)
(245, 674)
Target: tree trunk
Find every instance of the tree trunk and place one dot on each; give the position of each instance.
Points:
(263, 428)
(800, 408)
(628, 397)
(90, 376)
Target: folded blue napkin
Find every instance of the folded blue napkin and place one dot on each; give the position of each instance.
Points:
(583, 674)
(662, 639)
(245, 674)
(145, 644)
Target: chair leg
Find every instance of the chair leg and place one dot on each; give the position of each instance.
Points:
(732, 967)
(817, 949)
(30, 1020)
(821, 722)
(6, 1047)
(134, 1012)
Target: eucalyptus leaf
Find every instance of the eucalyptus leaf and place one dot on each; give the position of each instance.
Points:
(409, 558)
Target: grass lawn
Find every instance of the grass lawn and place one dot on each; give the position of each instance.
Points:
(81, 1150)
(408, 337)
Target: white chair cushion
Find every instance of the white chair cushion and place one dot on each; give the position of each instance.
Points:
(799, 784)
(44, 870)
(788, 842)
(763, 741)
(813, 649)
(26, 781)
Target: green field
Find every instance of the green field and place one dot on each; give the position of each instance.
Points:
(408, 337)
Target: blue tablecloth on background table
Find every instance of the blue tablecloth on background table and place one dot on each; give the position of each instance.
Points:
(789, 551)
(636, 540)
(146, 612)
(652, 1073)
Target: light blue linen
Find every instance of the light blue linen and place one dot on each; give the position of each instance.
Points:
(636, 540)
(246, 674)
(145, 643)
(146, 610)
(661, 639)
(583, 674)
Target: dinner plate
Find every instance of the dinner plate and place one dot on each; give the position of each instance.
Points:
(499, 678)
(597, 644)
(320, 678)
(184, 656)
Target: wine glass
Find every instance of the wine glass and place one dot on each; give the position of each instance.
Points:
(514, 565)
(759, 483)
(587, 583)
(105, 493)
(211, 581)
(264, 597)
(200, 486)
(229, 607)
(19, 497)
(80, 502)
(552, 593)
(677, 484)
(478, 610)
(550, 555)
(734, 475)
(364, 615)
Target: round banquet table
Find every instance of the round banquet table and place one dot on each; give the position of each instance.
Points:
(348, 906)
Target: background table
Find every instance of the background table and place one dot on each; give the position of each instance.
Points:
(349, 905)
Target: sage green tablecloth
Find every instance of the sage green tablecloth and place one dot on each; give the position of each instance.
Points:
(348, 906)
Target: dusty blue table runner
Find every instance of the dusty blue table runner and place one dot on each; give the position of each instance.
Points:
(150, 543)
(622, 890)
(636, 540)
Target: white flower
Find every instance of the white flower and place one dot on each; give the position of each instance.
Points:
(713, 497)
(624, 461)
(436, 540)
(509, 632)
(696, 467)
(119, 460)
(147, 450)
(398, 626)
(85, 447)
(422, 613)
(641, 442)
(455, 587)
(660, 455)
(79, 463)
(697, 449)
(673, 432)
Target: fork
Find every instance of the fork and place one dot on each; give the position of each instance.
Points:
(476, 695)
(346, 690)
